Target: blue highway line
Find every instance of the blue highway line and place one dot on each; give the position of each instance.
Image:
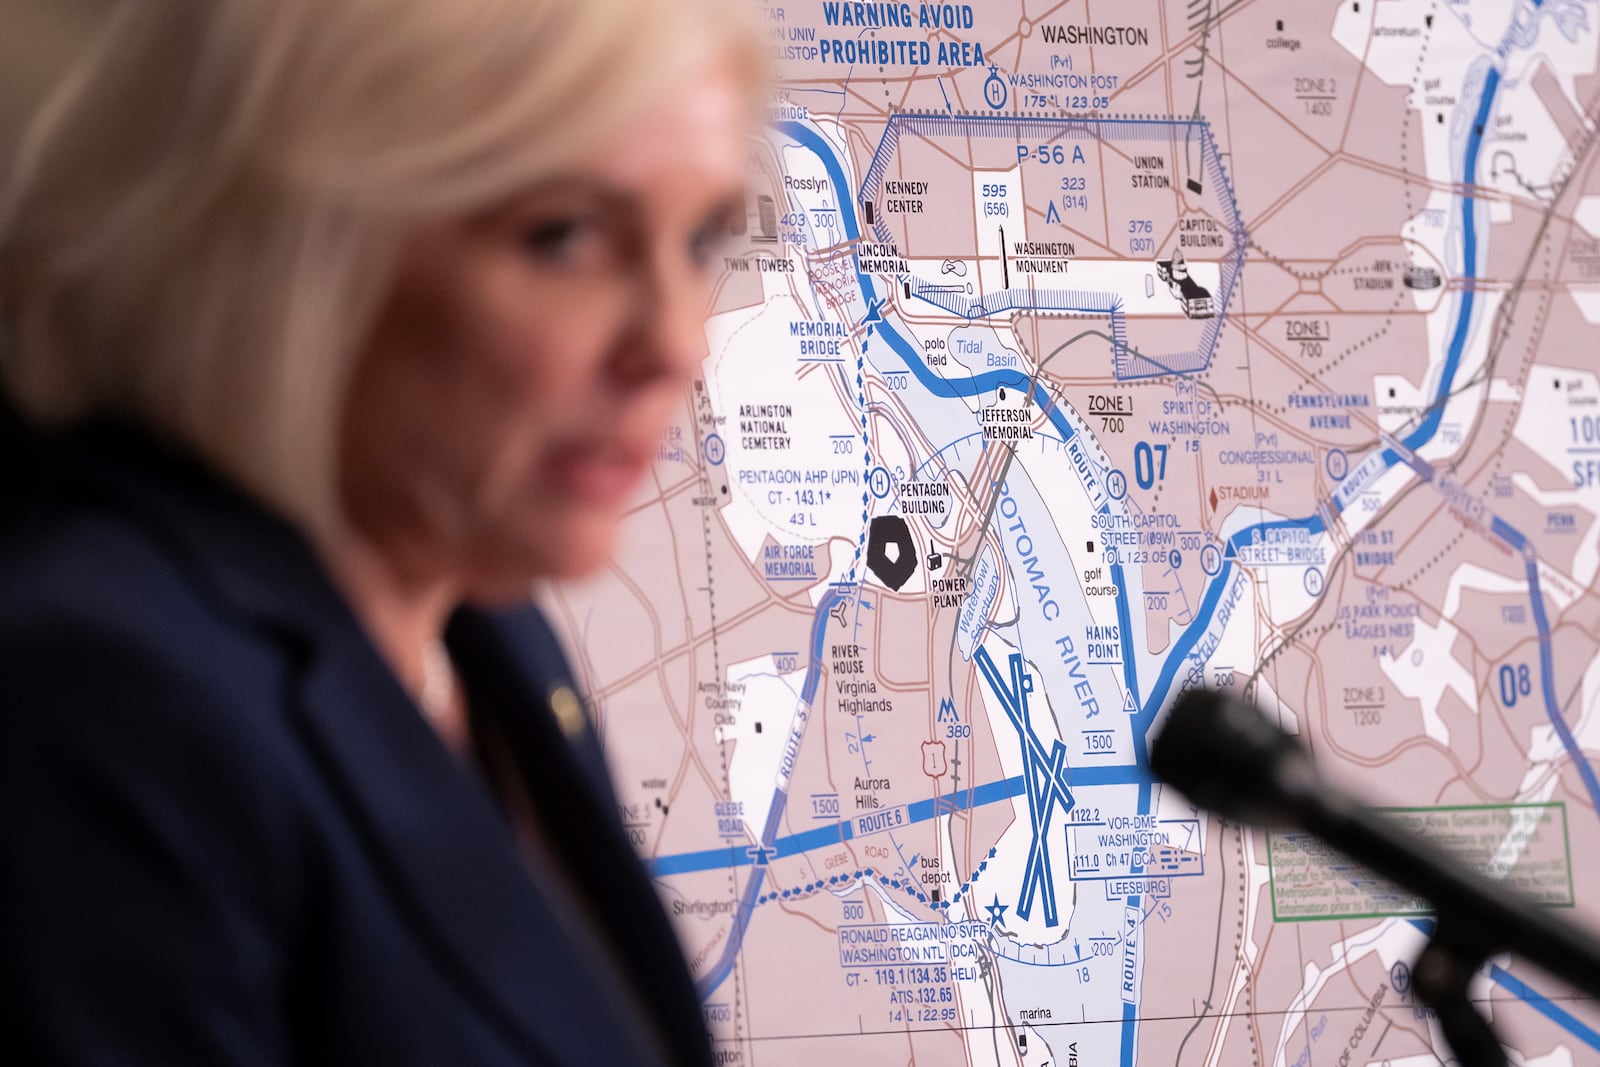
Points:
(1544, 1006)
(1469, 265)
(1547, 687)
(717, 859)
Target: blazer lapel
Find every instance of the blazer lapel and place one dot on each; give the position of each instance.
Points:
(564, 771)
(439, 840)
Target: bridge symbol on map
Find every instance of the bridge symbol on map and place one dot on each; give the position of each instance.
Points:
(1044, 782)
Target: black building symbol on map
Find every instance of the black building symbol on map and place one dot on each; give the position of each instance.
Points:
(1422, 278)
(767, 219)
(1194, 298)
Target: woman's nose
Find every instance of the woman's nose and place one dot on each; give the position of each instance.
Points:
(669, 339)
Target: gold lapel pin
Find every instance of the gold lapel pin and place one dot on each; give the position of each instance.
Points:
(568, 710)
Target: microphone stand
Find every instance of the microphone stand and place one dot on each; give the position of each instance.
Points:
(1472, 922)
(1224, 755)
(1440, 977)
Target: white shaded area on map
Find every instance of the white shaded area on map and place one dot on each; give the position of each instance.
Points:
(1458, 58)
(1465, 576)
(913, 463)
(1551, 437)
(1394, 58)
(894, 911)
(773, 700)
(1500, 209)
(1406, 395)
(745, 347)
(1268, 699)
(754, 359)
(1560, 1056)
(1124, 277)
(1466, 398)
(1171, 804)
(841, 556)
(1538, 783)
(1392, 940)
(1002, 880)
(1587, 300)
(889, 450)
(1587, 213)
(1245, 960)
(1005, 735)
(1480, 579)
(1427, 228)
(1455, 56)
(1425, 668)
(891, 425)
(991, 271)
(1539, 158)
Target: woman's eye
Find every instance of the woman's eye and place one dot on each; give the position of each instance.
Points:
(707, 243)
(573, 241)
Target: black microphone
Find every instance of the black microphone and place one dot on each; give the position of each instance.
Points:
(1224, 755)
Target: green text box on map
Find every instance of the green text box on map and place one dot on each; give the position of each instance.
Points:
(1523, 845)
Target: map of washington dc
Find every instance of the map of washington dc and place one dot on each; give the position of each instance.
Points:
(1070, 355)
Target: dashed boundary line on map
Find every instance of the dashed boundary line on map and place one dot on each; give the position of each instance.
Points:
(909, 886)
(866, 449)
(722, 748)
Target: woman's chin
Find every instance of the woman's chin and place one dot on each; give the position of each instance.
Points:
(577, 543)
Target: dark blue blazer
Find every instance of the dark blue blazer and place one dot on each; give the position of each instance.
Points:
(228, 837)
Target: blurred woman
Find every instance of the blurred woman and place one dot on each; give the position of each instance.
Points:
(344, 321)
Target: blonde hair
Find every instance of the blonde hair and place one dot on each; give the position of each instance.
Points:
(202, 219)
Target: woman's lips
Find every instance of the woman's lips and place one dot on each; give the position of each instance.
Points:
(599, 472)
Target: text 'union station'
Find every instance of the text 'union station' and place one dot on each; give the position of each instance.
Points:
(1045, 193)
